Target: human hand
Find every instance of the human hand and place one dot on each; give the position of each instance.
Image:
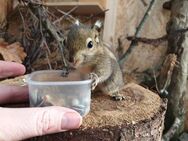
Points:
(22, 123)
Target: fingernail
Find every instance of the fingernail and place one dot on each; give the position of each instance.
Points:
(71, 120)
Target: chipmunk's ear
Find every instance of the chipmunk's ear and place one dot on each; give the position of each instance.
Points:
(97, 26)
(77, 22)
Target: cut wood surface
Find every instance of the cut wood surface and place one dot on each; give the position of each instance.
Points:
(139, 117)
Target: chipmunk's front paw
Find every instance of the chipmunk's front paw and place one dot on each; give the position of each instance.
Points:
(118, 97)
(95, 80)
(65, 72)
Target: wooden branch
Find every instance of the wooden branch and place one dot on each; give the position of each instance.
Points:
(154, 42)
(140, 26)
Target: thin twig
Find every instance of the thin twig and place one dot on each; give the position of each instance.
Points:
(133, 43)
(71, 17)
(155, 79)
(52, 14)
(49, 63)
(42, 13)
(43, 42)
(65, 14)
(35, 17)
(154, 42)
(144, 3)
(26, 30)
(95, 15)
(23, 21)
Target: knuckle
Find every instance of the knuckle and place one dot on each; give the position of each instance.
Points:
(44, 123)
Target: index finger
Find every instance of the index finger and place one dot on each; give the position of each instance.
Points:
(8, 69)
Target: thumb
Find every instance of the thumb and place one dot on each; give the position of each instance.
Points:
(22, 123)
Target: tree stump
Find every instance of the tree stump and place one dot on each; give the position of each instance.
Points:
(138, 118)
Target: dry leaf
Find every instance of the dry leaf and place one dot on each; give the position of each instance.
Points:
(13, 52)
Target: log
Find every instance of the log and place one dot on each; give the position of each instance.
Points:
(139, 117)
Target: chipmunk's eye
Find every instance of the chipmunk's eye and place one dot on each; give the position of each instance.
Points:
(89, 43)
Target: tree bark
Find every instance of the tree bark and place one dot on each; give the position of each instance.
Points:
(178, 45)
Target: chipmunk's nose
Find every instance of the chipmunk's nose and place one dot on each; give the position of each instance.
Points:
(72, 63)
(75, 62)
(71, 59)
